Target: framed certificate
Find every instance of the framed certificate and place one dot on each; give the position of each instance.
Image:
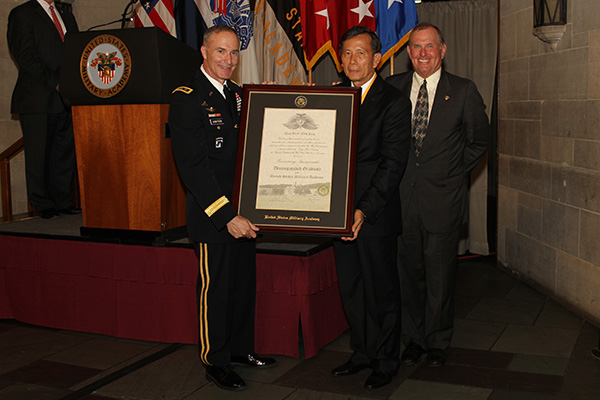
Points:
(295, 169)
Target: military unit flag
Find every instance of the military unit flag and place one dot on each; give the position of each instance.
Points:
(278, 36)
(395, 19)
(282, 39)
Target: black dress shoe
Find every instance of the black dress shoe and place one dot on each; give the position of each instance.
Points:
(254, 361)
(378, 379)
(349, 368)
(70, 210)
(48, 213)
(224, 377)
(436, 357)
(412, 354)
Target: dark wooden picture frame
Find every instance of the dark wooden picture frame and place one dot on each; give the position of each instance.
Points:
(321, 203)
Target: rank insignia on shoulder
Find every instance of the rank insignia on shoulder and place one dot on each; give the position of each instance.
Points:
(184, 89)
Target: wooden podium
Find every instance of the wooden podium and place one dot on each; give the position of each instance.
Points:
(129, 184)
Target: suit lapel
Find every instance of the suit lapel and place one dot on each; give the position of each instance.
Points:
(442, 98)
(438, 110)
(67, 21)
(373, 93)
(46, 21)
(442, 95)
(406, 84)
(369, 107)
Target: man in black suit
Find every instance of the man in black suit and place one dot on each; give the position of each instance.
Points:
(366, 262)
(450, 134)
(203, 120)
(35, 36)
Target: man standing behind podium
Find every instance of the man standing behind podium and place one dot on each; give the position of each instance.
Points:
(35, 36)
(203, 120)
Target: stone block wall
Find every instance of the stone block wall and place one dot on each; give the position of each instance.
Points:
(549, 154)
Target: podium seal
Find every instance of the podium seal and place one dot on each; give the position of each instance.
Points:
(105, 66)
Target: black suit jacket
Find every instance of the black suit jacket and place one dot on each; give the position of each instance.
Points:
(204, 138)
(37, 48)
(382, 152)
(457, 137)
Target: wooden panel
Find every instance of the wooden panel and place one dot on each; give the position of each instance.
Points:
(172, 190)
(121, 152)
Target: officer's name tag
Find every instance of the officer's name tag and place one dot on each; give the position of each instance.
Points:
(216, 121)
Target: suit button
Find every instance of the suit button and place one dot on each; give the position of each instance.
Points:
(417, 164)
(218, 128)
(235, 126)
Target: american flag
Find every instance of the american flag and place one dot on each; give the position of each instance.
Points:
(157, 13)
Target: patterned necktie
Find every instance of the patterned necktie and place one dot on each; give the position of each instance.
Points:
(420, 117)
(57, 24)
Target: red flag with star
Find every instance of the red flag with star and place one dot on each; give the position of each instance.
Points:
(349, 13)
(315, 30)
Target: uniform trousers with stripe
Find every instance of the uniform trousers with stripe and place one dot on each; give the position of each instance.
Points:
(226, 293)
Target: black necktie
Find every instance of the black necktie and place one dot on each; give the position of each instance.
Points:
(420, 118)
(231, 100)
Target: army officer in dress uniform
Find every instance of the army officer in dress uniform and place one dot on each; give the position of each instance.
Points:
(203, 120)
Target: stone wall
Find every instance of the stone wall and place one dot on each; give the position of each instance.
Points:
(549, 154)
(88, 14)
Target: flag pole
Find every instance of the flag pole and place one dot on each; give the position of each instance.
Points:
(310, 77)
(392, 64)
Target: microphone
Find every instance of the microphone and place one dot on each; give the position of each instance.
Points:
(129, 5)
(124, 18)
(130, 19)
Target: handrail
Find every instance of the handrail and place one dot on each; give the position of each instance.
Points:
(6, 190)
(13, 150)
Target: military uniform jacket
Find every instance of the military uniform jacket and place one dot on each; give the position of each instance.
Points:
(204, 138)
(37, 48)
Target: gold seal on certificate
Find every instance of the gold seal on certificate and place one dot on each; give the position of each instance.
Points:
(323, 190)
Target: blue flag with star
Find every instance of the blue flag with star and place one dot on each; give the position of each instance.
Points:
(395, 20)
